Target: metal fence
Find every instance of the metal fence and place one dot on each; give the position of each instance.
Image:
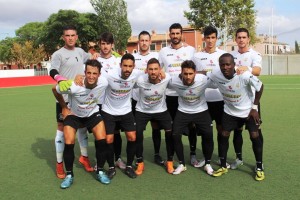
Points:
(41, 72)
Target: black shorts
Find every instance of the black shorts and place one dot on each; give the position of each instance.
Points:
(216, 110)
(172, 105)
(202, 121)
(163, 119)
(79, 122)
(133, 105)
(126, 122)
(230, 123)
(59, 116)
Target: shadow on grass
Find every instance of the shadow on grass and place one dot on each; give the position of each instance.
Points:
(44, 149)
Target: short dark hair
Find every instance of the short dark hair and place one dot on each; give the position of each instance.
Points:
(69, 27)
(175, 26)
(226, 55)
(93, 63)
(210, 30)
(127, 56)
(144, 33)
(107, 37)
(188, 64)
(152, 61)
(242, 30)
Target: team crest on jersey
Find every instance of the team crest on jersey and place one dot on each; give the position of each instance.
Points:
(246, 59)
(92, 95)
(211, 62)
(230, 89)
(156, 93)
(237, 85)
(191, 91)
(125, 85)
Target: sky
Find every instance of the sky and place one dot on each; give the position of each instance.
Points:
(151, 15)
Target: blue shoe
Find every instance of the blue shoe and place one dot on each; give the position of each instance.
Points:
(67, 182)
(103, 178)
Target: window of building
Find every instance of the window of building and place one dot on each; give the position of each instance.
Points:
(232, 48)
(152, 47)
(163, 45)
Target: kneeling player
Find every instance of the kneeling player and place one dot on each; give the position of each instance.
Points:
(83, 111)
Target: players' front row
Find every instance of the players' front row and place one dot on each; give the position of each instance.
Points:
(83, 111)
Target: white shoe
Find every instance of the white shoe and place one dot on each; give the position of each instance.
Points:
(120, 163)
(236, 164)
(201, 163)
(227, 164)
(257, 169)
(209, 170)
(179, 169)
(195, 162)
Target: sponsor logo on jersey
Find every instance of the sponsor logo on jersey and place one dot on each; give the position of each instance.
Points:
(170, 54)
(203, 59)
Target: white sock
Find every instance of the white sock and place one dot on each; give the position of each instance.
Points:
(59, 145)
(82, 137)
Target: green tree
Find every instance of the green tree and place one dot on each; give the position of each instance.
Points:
(87, 24)
(5, 50)
(31, 32)
(113, 16)
(226, 15)
(25, 53)
(297, 50)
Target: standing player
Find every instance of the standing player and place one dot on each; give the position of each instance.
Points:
(116, 108)
(208, 60)
(83, 111)
(66, 63)
(110, 62)
(170, 58)
(246, 59)
(192, 109)
(141, 58)
(239, 109)
(151, 105)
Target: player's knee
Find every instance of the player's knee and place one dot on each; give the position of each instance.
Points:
(109, 139)
(225, 133)
(131, 137)
(254, 135)
(60, 126)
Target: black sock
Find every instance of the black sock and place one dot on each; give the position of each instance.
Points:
(110, 155)
(130, 150)
(156, 137)
(169, 145)
(257, 149)
(69, 157)
(179, 148)
(101, 153)
(192, 139)
(117, 146)
(207, 146)
(238, 143)
(223, 149)
(139, 144)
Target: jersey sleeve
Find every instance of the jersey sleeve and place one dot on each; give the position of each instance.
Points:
(252, 80)
(196, 60)
(160, 59)
(55, 62)
(257, 60)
